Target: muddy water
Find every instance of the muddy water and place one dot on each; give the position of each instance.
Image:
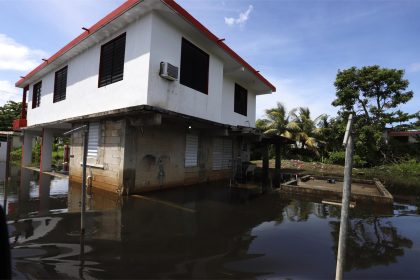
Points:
(198, 232)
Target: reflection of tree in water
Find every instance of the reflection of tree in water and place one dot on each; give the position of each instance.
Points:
(371, 241)
(300, 210)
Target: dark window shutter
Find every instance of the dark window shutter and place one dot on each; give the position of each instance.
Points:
(60, 85)
(241, 100)
(36, 95)
(194, 67)
(111, 66)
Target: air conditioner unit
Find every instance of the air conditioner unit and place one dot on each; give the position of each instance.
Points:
(168, 71)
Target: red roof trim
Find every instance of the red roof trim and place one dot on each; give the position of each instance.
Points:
(128, 5)
(187, 16)
(108, 18)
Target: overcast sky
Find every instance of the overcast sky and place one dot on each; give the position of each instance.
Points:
(299, 45)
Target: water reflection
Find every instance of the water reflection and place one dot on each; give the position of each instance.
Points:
(371, 242)
(198, 232)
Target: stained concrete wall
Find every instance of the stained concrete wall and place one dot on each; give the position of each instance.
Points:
(156, 158)
(107, 167)
(135, 159)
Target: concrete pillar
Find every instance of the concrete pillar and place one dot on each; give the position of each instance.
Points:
(46, 150)
(265, 166)
(277, 166)
(27, 148)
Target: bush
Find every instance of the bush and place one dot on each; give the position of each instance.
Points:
(339, 157)
(16, 154)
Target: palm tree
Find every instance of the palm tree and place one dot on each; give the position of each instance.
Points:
(303, 129)
(276, 121)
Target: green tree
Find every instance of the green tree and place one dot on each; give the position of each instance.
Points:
(303, 129)
(10, 111)
(373, 94)
(276, 121)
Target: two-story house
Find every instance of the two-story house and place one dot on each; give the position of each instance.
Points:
(167, 102)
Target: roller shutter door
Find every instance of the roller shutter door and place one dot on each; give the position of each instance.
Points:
(93, 140)
(191, 150)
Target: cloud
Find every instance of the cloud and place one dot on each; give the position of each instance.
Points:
(8, 91)
(18, 57)
(414, 67)
(241, 19)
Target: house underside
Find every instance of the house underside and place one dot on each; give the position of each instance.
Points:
(145, 148)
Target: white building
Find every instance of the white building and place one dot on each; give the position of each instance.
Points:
(167, 102)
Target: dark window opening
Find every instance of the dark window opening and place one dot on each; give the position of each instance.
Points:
(36, 95)
(60, 85)
(241, 100)
(111, 65)
(194, 67)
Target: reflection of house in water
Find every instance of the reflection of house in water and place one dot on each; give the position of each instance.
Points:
(182, 234)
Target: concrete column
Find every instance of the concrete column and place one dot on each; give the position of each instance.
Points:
(27, 148)
(265, 166)
(46, 150)
(277, 166)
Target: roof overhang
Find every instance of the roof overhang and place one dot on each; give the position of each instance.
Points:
(131, 10)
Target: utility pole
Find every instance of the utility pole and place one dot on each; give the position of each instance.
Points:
(348, 142)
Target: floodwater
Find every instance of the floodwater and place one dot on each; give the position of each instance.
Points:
(198, 232)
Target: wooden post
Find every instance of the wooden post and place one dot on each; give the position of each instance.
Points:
(265, 167)
(277, 166)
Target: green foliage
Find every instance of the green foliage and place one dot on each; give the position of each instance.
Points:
(9, 112)
(16, 154)
(399, 178)
(373, 94)
(339, 157)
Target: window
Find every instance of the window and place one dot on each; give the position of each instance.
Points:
(93, 139)
(222, 153)
(241, 100)
(194, 67)
(60, 85)
(36, 95)
(111, 65)
(191, 150)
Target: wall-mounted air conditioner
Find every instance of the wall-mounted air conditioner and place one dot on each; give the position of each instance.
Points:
(168, 71)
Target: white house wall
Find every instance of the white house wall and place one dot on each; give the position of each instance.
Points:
(228, 102)
(166, 46)
(217, 105)
(83, 95)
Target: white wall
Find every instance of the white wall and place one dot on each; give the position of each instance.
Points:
(166, 46)
(228, 102)
(149, 41)
(216, 106)
(83, 95)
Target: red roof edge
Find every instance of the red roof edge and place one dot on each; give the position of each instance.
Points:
(128, 5)
(112, 15)
(187, 16)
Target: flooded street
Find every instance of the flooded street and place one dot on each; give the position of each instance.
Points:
(198, 232)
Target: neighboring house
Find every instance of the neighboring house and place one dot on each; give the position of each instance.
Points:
(403, 137)
(167, 102)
